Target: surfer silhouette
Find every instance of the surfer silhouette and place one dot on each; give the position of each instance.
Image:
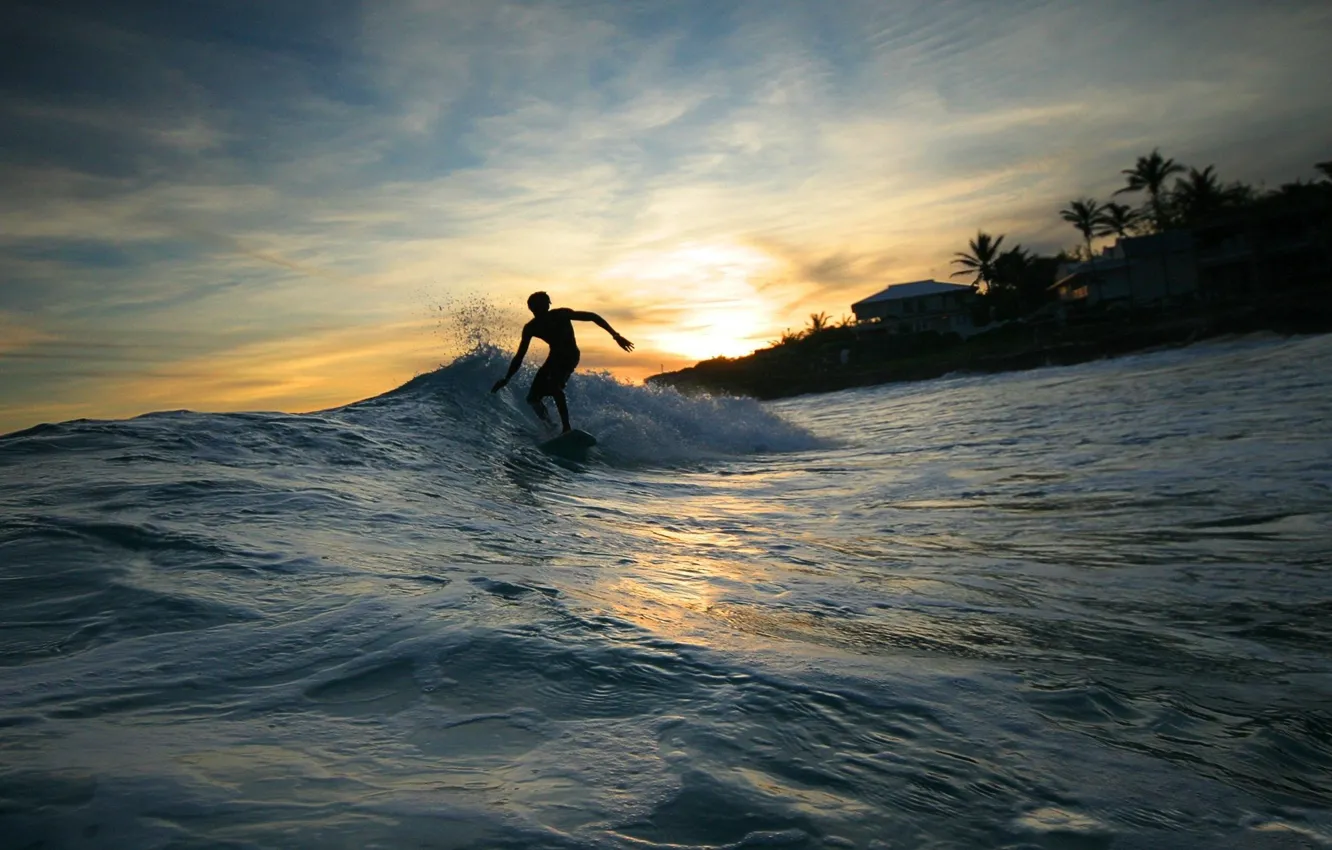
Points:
(555, 328)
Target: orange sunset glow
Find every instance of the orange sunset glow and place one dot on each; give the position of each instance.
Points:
(270, 218)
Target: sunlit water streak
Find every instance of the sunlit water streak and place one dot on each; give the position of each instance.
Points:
(1081, 607)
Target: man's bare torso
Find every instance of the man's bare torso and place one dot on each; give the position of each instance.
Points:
(555, 328)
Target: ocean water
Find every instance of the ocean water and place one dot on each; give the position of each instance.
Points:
(1082, 607)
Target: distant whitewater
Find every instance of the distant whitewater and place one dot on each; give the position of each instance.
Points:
(631, 423)
(1081, 607)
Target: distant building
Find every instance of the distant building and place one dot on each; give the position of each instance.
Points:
(1266, 251)
(1138, 270)
(922, 305)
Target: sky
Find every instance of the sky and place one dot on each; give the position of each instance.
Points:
(257, 205)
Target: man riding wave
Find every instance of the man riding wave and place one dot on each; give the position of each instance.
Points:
(555, 328)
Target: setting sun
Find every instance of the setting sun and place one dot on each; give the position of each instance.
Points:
(714, 292)
(716, 333)
(707, 182)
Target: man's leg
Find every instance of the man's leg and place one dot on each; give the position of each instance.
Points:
(534, 398)
(558, 383)
(563, 407)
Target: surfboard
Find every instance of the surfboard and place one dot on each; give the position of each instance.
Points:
(571, 445)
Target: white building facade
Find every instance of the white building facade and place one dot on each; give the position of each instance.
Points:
(918, 306)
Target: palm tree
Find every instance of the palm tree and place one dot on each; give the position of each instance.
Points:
(1239, 194)
(980, 263)
(817, 322)
(1011, 268)
(1150, 174)
(1118, 220)
(1199, 195)
(1085, 215)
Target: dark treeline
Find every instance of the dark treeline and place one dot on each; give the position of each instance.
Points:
(1015, 304)
(1172, 196)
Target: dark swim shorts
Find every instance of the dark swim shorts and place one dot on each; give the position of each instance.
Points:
(553, 375)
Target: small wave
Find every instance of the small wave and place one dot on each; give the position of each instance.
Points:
(451, 411)
(633, 424)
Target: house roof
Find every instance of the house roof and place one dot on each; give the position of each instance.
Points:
(914, 289)
(1090, 271)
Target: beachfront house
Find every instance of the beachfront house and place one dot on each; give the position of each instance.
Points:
(921, 305)
(1139, 271)
(1274, 251)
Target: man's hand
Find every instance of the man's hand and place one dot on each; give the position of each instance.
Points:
(499, 385)
(623, 343)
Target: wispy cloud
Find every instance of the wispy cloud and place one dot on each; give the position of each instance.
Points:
(257, 188)
(17, 334)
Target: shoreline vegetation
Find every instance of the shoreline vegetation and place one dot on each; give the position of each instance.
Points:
(1254, 262)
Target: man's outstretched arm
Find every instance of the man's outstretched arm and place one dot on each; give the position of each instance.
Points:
(515, 364)
(586, 316)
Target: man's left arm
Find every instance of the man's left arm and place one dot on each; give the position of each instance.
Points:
(586, 316)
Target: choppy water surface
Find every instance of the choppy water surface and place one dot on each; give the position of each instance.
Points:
(1083, 607)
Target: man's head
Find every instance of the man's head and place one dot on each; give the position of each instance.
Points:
(538, 302)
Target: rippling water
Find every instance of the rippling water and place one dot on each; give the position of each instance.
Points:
(1082, 607)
